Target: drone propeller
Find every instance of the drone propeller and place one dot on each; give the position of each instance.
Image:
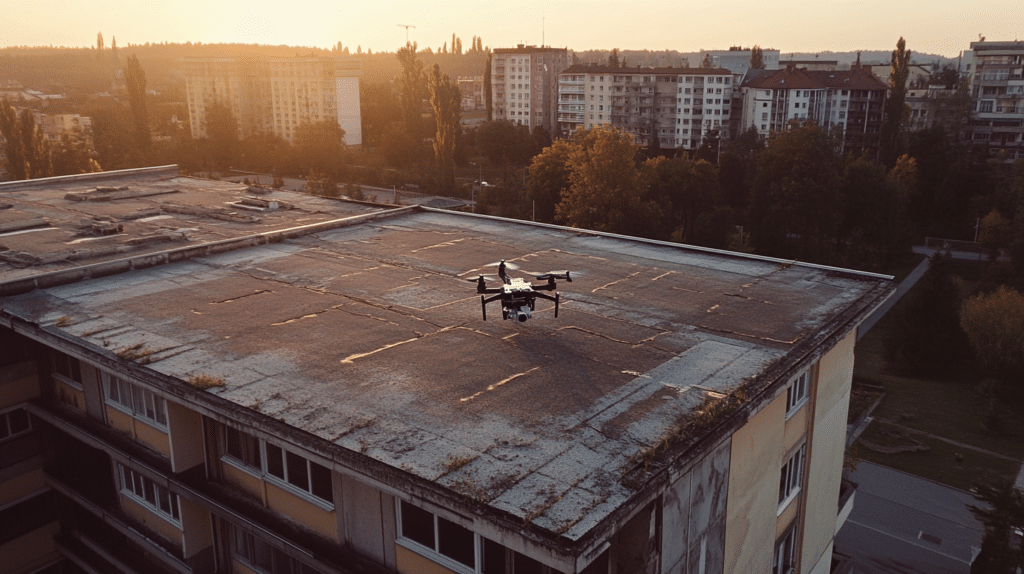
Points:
(554, 275)
(476, 279)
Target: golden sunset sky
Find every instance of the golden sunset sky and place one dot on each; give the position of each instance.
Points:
(939, 27)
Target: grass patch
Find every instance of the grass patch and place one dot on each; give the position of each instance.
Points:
(203, 382)
(942, 462)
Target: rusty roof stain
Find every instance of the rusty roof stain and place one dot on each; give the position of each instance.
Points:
(370, 337)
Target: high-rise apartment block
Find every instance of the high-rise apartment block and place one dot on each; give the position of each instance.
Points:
(524, 85)
(852, 102)
(679, 107)
(737, 60)
(234, 379)
(997, 94)
(275, 95)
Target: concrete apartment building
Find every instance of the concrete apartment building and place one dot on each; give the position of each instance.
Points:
(737, 59)
(276, 95)
(203, 377)
(524, 85)
(851, 101)
(997, 94)
(471, 88)
(937, 106)
(678, 106)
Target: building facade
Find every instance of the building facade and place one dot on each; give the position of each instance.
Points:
(275, 95)
(471, 88)
(997, 95)
(524, 85)
(851, 102)
(278, 392)
(737, 60)
(678, 107)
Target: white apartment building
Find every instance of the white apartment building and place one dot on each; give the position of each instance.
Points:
(997, 93)
(678, 106)
(276, 95)
(524, 84)
(851, 101)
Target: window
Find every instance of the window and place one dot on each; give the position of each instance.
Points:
(263, 557)
(796, 393)
(149, 494)
(785, 554)
(260, 457)
(69, 367)
(455, 546)
(135, 400)
(14, 422)
(790, 477)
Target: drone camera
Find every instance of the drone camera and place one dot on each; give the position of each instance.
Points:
(520, 314)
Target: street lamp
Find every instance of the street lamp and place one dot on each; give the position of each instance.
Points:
(479, 182)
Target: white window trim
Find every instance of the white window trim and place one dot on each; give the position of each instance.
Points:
(130, 411)
(129, 493)
(263, 473)
(804, 379)
(432, 554)
(794, 492)
(68, 381)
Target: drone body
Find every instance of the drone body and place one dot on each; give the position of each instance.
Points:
(518, 297)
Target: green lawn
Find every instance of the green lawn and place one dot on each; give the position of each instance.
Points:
(947, 405)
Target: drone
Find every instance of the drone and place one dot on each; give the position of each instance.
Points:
(517, 295)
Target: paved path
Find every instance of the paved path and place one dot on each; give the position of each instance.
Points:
(951, 441)
(902, 523)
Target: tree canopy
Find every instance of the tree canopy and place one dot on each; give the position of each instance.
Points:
(994, 325)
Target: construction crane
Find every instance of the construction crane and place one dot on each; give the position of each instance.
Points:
(406, 26)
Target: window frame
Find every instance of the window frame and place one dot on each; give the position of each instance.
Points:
(266, 470)
(6, 425)
(140, 401)
(791, 477)
(785, 545)
(132, 480)
(798, 392)
(245, 548)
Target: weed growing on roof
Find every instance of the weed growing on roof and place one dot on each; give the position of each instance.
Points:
(64, 321)
(454, 463)
(203, 382)
(138, 353)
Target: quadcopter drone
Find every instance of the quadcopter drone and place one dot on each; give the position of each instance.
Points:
(518, 296)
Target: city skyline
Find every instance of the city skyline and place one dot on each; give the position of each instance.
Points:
(944, 28)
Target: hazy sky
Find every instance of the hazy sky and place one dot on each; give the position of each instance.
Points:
(941, 27)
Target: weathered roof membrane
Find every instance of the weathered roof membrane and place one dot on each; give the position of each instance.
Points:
(369, 336)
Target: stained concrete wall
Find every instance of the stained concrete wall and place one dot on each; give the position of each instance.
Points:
(825, 453)
(693, 517)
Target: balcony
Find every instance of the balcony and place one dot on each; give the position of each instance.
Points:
(563, 89)
(847, 490)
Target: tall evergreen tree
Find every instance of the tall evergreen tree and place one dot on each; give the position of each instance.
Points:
(410, 86)
(135, 83)
(445, 101)
(899, 71)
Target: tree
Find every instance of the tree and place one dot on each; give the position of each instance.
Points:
(606, 190)
(994, 325)
(411, 89)
(446, 103)
(1004, 513)
(895, 106)
(926, 336)
(222, 131)
(707, 62)
(488, 96)
(320, 147)
(549, 177)
(26, 148)
(794, 198)
(872, 233)
(135, 82)
(613, 58)
(684, 190)
(994, 234)
(73, 156)
(756, 58)
(504, 143)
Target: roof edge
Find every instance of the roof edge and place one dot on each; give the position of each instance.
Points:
(167, 170)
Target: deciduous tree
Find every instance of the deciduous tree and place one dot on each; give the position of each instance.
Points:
(795, 200)
(995, 233)
(73, 155)
(1002, 513)
(446, 103)
(549, 177)
(994, 325)
(222, 131)
(320, 148)
(756, 58)
(26, 148)
(411, 88)
(135, 83)
(895, 106)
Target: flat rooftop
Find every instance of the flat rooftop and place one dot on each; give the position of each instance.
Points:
(370, 336)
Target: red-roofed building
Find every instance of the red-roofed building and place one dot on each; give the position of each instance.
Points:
(851, 101)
